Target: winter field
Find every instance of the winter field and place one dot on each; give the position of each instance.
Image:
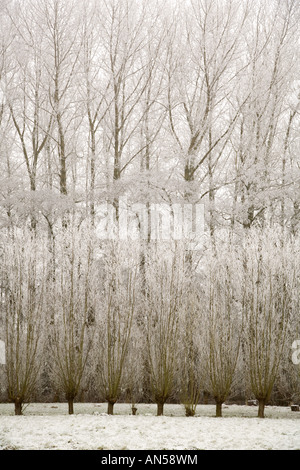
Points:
(48, 426)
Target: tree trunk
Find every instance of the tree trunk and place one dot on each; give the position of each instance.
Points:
(189, 411)
(261, 408)
(160, 409)
(110, 408)
(93, 175)
(71, 406)
(62, 159)
(18, 407)
(218, 409)
(211, 192)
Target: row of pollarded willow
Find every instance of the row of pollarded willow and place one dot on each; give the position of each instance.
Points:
(88, 314)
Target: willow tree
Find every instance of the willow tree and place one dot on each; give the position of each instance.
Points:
(116, 308)
(71, 311)
(23, 282)
(223, 318)
(191, 349)
(269, 288)
(165, 287)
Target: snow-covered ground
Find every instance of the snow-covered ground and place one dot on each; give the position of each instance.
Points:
(48, 426)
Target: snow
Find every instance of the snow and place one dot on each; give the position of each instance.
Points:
(48, 426)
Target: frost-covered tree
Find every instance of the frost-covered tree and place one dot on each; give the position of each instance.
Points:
(269, 284)
(71, 310)
(165, 297)
(23, 285)
(26, 94)
(202, 73)
(222, 316)
(265, 128)
(134, 368)
(116, 309)
(191, 363)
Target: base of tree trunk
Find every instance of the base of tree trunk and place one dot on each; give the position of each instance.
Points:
(18, 408)
(134, 410)
(189, 411)
(110, 408)
(71, 406)
(160, 409)
(218, 410)
(261, 408)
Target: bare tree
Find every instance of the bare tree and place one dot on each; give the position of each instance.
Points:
(165, 289)
(115, 319)
(223, 319)
(134, 370)
(71, 310)
(23, 281)
(201, 74)
(25, 94)
(11, 174)
(269, 283)
(192, 350)
(59, 23)
(131, 55)
(264, 128)
(93, 90)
